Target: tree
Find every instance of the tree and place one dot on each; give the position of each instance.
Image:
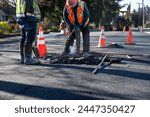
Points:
(6, 3)
(103, 10)
(138, 15)
(8, 7)
(100, 10)
(135, 18)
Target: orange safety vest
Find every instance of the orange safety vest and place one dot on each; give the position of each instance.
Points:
(80, 14)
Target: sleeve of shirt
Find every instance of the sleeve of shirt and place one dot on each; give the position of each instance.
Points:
(29, 6)
(65, 15)
(86, 16)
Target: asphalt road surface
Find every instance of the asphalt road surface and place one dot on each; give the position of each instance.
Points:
(129, 79)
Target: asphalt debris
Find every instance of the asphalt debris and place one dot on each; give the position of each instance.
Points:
(91, 59)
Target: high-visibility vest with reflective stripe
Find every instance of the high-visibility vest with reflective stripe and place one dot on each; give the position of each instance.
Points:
(80, 14)
(21, 6)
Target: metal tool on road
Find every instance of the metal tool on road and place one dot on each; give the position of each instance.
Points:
(77, 37)
(76, 31)
(94, 72)
(69, 35)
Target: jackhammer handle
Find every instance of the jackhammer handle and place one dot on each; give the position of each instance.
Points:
(70, 34)
(94, 72)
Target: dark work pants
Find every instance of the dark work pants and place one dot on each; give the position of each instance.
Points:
(28, 32)
(86, 40)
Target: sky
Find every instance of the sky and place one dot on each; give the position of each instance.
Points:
(134, 4)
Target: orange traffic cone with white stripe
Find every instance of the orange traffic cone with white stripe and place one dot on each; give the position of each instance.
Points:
(102, 39)
(41, 43)
(130, 38)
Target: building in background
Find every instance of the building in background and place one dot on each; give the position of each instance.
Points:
(3, 16)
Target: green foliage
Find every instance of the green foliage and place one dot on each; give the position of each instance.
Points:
(5, 28)
(46, 26)
(12, 26)
(102, 11)
(137, 16)
(54, 29)
(53, 9)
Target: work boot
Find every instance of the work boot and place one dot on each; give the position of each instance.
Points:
(22, 53)
(28, 56)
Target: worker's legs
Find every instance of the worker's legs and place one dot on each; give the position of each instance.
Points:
(30, 28)
(22, 44)
(86, 39)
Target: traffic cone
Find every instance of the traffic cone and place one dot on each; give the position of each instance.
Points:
(41, 43)
(102, 39)
(130, 38)
(124, 29)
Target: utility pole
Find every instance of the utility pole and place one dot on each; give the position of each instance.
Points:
(143, 12)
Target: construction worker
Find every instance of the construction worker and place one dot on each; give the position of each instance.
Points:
(76, 15)
(28, 15)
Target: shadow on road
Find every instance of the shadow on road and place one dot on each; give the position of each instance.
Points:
(48, 93)
(41, 92)
(126, 73)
